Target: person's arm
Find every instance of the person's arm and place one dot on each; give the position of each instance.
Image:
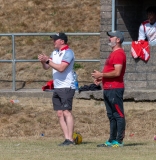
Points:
(66, 60)
(45, 66)
(97, 81)
(43, 59)
(142, 35)
(59, 67)
(47, 63)
(115, 73)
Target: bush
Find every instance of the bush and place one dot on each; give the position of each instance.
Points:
(77, 66)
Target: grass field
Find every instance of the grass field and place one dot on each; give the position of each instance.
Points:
(43, 148)
(38, 16)
(22, 126)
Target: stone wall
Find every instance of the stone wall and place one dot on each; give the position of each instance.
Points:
(128, 16)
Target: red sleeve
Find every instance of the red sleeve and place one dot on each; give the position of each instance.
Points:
(118, 58)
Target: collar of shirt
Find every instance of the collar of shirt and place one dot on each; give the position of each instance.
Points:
(64, 48)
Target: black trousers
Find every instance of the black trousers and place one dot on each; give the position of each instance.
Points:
(113, 99)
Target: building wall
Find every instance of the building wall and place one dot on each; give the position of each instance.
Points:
(128, 16)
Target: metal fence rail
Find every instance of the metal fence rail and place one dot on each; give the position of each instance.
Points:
(14, 60)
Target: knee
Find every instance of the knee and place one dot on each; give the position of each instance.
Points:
(67, 113)
(110, 116)
(59, 114)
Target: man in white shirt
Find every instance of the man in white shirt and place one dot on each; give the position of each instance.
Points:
(62, 61)
(147, 30)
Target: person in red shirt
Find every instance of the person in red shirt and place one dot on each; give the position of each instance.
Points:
(113, 85)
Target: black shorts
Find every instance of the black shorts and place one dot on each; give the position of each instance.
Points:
(63, 98)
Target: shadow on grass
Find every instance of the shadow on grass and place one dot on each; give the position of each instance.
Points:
(135, 144)
(127, 144)
(87, 142)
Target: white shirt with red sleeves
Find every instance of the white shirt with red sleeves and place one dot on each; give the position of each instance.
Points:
(63, 79)
(148, 31)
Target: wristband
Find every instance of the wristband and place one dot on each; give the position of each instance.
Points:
(47, 62)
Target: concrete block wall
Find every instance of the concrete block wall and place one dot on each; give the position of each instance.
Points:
(128, 16)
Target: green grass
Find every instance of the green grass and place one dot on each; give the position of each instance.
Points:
(47, 149)
(77, 66)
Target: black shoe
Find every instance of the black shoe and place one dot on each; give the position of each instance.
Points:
(67, 142)
(61, 144)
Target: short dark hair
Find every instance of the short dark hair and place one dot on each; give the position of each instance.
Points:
(151, 9)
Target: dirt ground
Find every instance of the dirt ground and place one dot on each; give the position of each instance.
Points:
(52, 16)
(34, 117)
